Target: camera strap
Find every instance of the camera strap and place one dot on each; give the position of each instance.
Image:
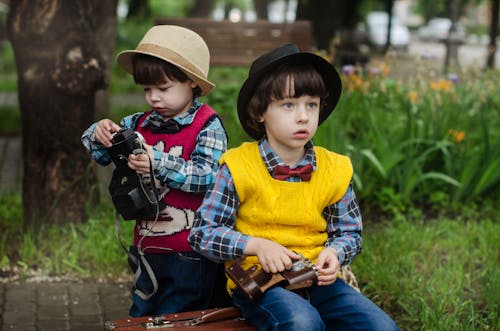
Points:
(136, 263)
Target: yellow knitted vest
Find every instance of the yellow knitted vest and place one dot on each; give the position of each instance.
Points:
(287, 213)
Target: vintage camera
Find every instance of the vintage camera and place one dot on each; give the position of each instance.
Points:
(125, 142)
(134, 195)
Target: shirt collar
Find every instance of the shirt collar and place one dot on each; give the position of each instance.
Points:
(185, 119)
(271, 159)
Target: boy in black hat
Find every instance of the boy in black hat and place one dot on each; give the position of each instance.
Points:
(279, 198)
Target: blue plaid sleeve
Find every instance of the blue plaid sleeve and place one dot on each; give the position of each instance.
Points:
(96, 150)
(345, 226)
(197, 173)
(212, 234)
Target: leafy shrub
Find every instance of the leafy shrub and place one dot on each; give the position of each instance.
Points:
(417, 138)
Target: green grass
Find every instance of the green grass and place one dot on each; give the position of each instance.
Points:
(87, 250)
(11, 121)
(434, 275)
(7, 67)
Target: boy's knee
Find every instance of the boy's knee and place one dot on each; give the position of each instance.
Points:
(303, 320)
(386, 324)
(380, 322)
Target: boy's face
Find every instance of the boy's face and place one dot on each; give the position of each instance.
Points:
(170, 98)
(291, 122)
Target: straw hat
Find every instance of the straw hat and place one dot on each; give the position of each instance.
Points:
(288, 53)
(180, 46)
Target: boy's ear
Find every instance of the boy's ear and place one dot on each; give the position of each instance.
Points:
(193, 85)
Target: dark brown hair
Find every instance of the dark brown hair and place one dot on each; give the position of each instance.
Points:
(150, 70)
(306, 81)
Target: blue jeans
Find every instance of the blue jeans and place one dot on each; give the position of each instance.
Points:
(333, 307)
(185, 282)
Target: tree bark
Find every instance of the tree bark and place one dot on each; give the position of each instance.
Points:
(388, 4)
(105, 33)
(329, 17)
(492, 48)
(138, 9)
(201, 8)
(261, 9)
(451, 55)
(61, 64)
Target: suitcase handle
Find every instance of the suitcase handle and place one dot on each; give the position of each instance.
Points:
(216, 315)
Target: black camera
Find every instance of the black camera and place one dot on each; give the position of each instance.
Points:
(125, 142)
(134, 195)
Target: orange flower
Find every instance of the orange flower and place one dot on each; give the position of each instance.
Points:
(413, 95)
(354, 82)
(442, 85)
(386, 70)
(456, 136)
(379, 68)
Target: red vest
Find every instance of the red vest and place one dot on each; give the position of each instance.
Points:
(171, 230)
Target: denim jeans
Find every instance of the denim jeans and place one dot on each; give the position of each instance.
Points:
(334, 307)
(185, 282)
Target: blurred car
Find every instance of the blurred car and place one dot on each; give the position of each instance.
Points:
(437, 29)
(376, 29)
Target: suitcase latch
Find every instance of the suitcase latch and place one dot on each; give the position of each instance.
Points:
(158, 322)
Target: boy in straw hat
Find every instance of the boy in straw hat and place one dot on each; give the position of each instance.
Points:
(184, 140)
(280, 196)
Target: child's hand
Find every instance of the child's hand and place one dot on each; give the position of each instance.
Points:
(140, 162)
(328, 266)
(104, 131)
(272, 256)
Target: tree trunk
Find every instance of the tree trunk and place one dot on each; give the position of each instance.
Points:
(261, 9)
(60, 67)
(324, 22)
(388, 4)
(201, 8)
(138, 9)
(451, 55)
(105, 33)
(329, 18)
(492, 48)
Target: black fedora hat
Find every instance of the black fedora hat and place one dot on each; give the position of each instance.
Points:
(288, 53)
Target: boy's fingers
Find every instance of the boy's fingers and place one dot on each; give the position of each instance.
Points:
(115, 127)
(293, 255)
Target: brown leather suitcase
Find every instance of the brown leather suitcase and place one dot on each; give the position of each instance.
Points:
(218, 319)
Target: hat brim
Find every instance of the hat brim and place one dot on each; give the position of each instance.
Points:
(125, 60)
(330, 77)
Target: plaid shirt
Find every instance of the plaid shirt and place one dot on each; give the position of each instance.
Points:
(194, 175)
(213, 231)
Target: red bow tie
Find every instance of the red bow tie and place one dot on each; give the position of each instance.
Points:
(283, 172)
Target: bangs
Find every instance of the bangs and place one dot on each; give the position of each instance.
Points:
(150, 70)
(306, 81)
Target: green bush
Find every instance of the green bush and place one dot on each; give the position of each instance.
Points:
(418, 138)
